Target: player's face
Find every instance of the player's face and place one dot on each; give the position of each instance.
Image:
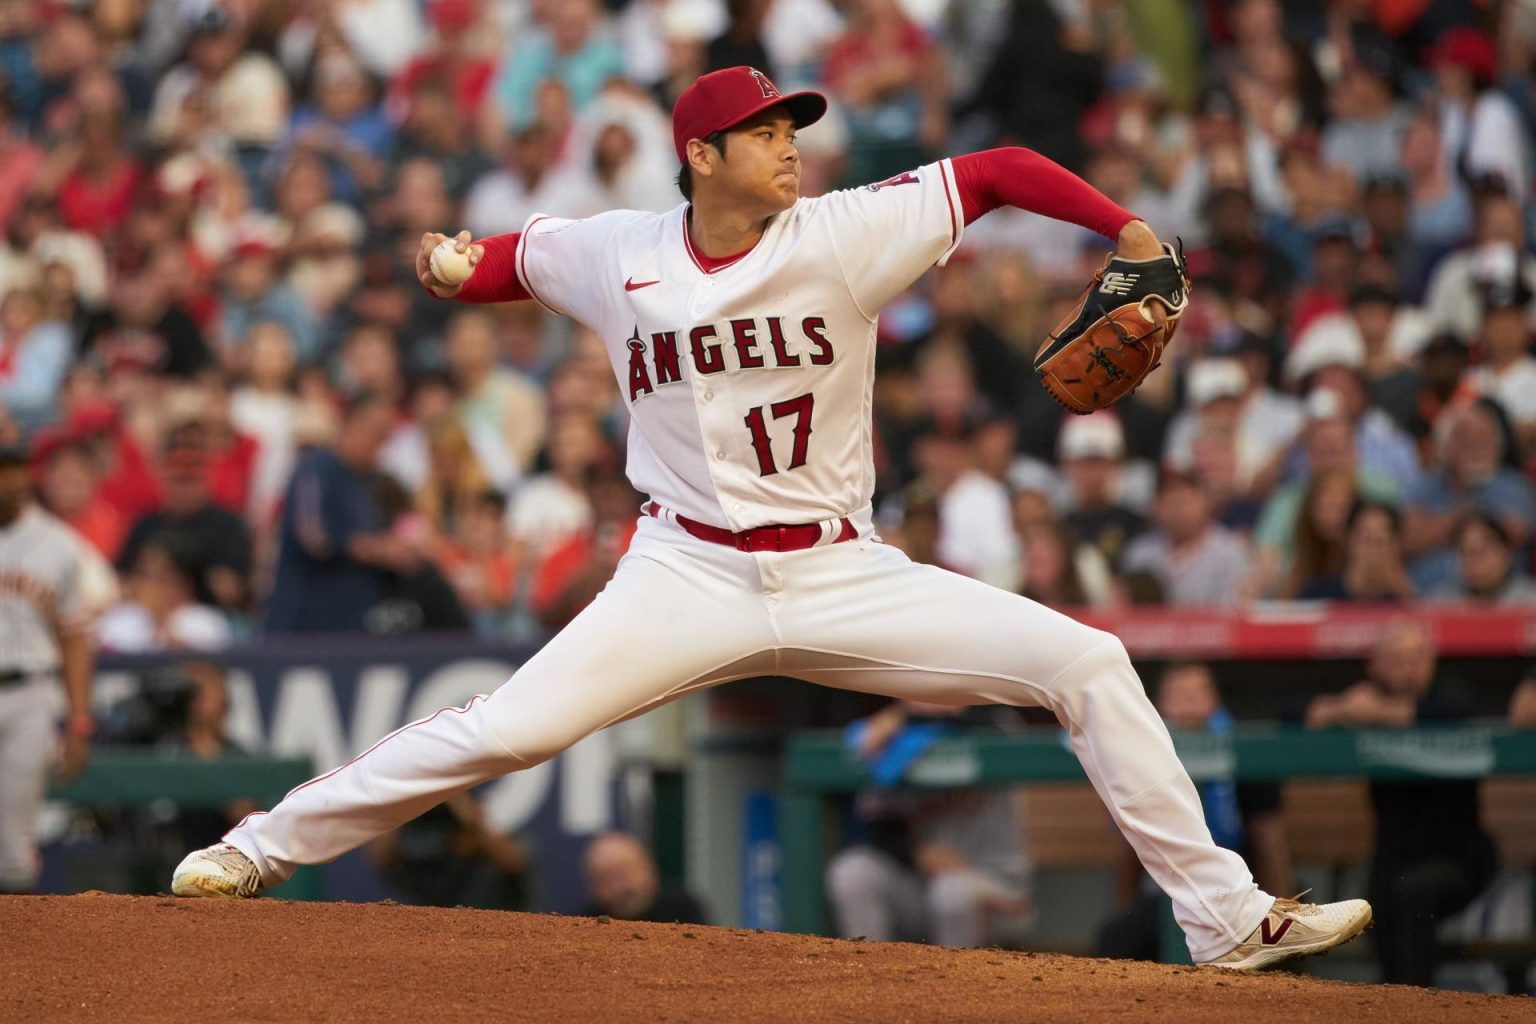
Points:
(761, 164)
(15, 481)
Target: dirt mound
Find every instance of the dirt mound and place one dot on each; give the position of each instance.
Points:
(122, 959)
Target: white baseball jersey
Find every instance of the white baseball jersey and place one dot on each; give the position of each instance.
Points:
(39, 590)
(749, 388)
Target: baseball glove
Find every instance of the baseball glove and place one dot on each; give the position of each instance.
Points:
(1113, 338)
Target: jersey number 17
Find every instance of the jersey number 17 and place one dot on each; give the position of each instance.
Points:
(800, 408)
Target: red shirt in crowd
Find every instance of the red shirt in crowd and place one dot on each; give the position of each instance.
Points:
(96, 207)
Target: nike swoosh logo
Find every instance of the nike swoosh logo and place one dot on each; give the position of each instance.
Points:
(633, 285)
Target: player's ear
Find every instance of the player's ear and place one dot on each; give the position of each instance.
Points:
(702, 157)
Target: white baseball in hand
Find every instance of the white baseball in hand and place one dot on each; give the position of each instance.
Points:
(450, 266)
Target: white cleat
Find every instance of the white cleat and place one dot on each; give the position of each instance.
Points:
(219, 871)
(1293, 929)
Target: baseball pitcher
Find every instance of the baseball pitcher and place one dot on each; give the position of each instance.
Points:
(741, 328)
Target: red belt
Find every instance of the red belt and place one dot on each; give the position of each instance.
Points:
(761, 538)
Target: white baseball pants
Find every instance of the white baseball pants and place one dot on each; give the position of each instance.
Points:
(29, 714)
(682, 614)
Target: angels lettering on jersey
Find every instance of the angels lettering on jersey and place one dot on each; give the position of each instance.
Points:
(753, 343)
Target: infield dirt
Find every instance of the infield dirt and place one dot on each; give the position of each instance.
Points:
(124, 959)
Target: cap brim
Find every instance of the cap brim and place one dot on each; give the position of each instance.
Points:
(804, 108)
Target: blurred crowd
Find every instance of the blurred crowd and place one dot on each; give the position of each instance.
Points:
(234, 390)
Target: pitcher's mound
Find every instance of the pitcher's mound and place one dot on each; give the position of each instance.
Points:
(123, 959)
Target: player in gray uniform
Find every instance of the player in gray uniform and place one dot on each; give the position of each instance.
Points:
(43, 640)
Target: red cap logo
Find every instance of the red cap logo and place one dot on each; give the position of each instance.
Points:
(723, 99)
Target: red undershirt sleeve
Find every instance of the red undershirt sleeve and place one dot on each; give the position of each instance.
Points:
(1024, 179)
(495, 276)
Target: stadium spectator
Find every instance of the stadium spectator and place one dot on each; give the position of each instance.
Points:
(384, 34)
(34, 355)
(553, 505)
(216, 542)
(369, 363)
(631, 163)
(434, 132)
(976, 535)
(241, 91)
(1043, 76)
(232, 455)
(1522, 706)
(1246, 818)
(623, 882)
(1475, 477)
(450, 78)
(1335, 264)
(889, 76)
(1322, 527)
(1432, 856)
(325, 265)
(958, 324)
(572, 46)
(1227, 408)
(334, 542)
(1058, 571)
(161, 612)
(21, 159)
(254, 292)
(1374, 568)
(1486, 571)
(574, 572)
(502, 410)
(266, 408)
(345, 126)
(741, 42)
(1198, 561)
(528, 182)
(1508, 374)
(1440, 209)
(430, 399)
(1367, 122)
(1442, 364)
(415, 598)
(913, 515)
(71, 489)
(127, 481)
(455, 480)
(938, 867)
(1494, 253)
(482, 566)
(1237, 260)
(1393, 383)
(94, 176)
(144, 331)
(1091, 452)
(1480, 124)
(1329, 363)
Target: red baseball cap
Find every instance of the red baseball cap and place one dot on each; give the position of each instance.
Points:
(721, 99)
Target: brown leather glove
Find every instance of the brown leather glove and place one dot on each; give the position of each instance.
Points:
(1115, 336)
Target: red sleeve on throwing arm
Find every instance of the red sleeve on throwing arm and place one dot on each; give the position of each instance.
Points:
(495, 276)
(1025, 179)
